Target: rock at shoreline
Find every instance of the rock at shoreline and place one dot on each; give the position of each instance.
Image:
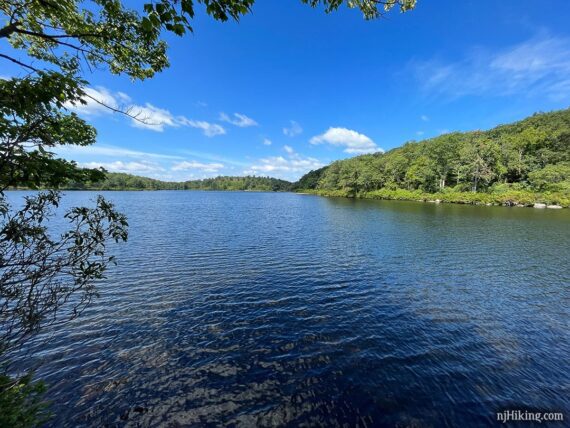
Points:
(554, 207)
(539, 205)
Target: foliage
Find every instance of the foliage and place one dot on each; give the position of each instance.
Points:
(555, 178)
(310, 180)
(370, 8)
(21, 402)
(32, 121)
(529, 156)
(506, 198)
(39, 274)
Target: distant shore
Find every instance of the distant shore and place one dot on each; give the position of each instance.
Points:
(507, 199)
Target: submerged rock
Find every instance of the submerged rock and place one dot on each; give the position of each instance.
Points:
(539, 205)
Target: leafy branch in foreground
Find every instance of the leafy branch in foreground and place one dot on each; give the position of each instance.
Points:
(21, 402)
(44, 279)
(40, 275)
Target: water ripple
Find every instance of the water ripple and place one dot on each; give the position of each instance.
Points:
(246, 309)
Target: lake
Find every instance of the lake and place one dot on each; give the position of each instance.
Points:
(284, 309)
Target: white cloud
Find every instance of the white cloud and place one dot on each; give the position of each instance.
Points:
(124, 97)
(293, 130)
(137, 168)
(238, 119)
(96, 100)
(151, 117)
(424, 118)
(353, 141)
(420, 133)
(288, 149)
(267, 141)
(209, 129)
(281, 164)
(190, 165)
(214, 158)
(290, 167)
(147, 116)
(539, 66)
(110, 151)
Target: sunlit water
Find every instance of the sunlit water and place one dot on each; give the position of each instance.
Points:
(283, 309)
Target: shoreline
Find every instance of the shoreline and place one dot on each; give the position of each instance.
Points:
(520, 199)
(509, 199)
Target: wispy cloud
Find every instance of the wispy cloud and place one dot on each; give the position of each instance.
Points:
(289, 167)
(267, 142)
(128, 167)
(238, 119)
(424, 118)
(209, 129)
(95, 102)
(110, 151)
(539, 66)
(353, 142)
(155, 165)
(214, 158)
(293, 130)
(193, 165)
(153, 118)
(147, 116)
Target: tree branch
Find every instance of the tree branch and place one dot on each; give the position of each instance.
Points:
(8, 29)
(19, 62)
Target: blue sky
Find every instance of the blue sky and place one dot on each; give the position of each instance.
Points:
(290, 88)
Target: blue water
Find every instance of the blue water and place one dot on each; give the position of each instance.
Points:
(282, 309)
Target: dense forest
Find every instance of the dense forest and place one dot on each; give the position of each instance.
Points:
(120, 181)
(527, 157)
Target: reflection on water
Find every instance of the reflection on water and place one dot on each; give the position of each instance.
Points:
(274, 309)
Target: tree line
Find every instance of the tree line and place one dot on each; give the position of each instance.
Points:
(121, 181)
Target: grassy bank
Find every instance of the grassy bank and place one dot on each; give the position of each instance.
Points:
(510, 198)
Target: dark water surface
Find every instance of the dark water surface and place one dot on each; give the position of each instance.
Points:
(282, 309)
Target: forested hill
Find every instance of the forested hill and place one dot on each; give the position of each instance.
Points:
(532, 155)
(120, 181)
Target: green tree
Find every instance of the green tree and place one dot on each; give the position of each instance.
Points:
(396, 167)
(477, 162)
(521, 149)
(552, 177)
(422, 174)
(444, 151)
